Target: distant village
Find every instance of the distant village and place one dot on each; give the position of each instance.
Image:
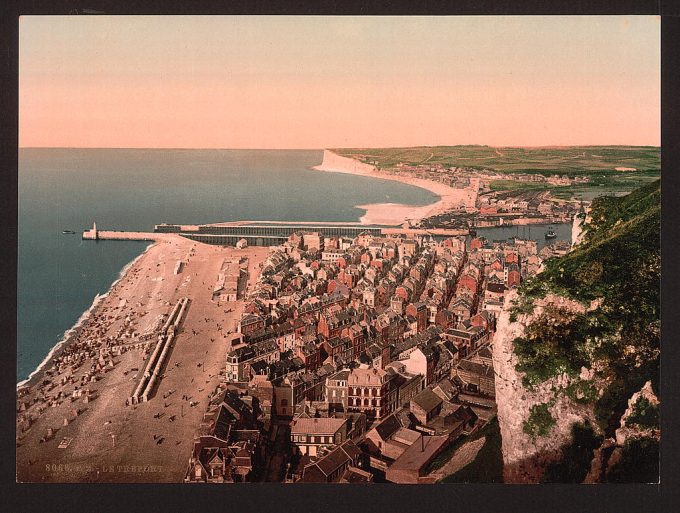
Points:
(495, 208)
(359, 360)
(459, 177)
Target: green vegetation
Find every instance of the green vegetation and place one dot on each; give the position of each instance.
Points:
(610, 185)
(620, 256)
(572, 160)
(522, 305)
(639, 462)
(580, 391)
(487, 467)
(576, 456)
(555, 343)
(599, 163)
(644, 414)
(540, 422)
(618, 264)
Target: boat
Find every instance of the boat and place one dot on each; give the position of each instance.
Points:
(550, 234)
(68, 232)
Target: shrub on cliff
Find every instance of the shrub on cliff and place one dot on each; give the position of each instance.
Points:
(540, 421)
(644, 414)
(553, 344)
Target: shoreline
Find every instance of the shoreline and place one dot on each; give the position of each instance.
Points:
(70, 417)
(72, 333)
(396, 214)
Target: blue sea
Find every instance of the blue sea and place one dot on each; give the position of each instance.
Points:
(133, 189)
(59, 275)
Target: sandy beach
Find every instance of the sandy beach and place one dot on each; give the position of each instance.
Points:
(73, 424)
(395, 214)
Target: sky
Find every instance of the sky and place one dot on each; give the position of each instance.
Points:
(321, 82)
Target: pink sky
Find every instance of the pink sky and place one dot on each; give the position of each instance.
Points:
(315, 82)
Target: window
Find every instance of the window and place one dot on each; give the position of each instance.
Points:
(284, 402)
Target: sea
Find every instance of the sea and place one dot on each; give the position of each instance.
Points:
(60, 275)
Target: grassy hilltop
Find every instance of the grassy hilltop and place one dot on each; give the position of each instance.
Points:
(569, 160)
(599, 163)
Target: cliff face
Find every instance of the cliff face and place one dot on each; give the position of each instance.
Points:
(525, 455)
(574, 347)
(334, 162)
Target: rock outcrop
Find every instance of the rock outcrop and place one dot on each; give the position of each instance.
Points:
(590, 332)
(525, 457)
(629, 429)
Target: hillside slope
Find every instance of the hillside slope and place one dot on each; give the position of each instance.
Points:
(584, 338)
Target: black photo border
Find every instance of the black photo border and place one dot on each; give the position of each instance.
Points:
(470, 498)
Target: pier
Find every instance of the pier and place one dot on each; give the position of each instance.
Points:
(95, 234)
(268, 229)
(263, 233)
(272, 233)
